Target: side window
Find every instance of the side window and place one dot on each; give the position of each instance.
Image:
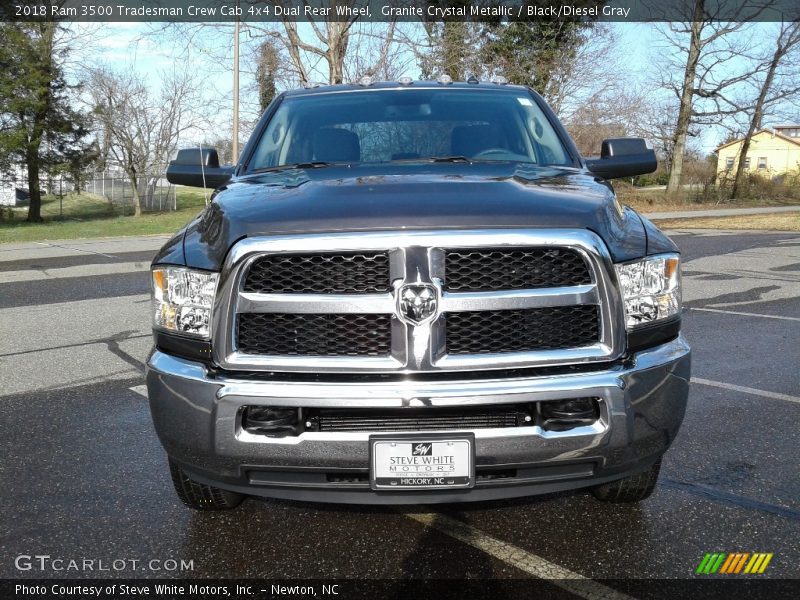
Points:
(546, 143)
(271, 144)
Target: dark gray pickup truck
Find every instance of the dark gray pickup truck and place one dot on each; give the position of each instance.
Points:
(415, 292)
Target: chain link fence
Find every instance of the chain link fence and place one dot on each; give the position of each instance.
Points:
(156, 194)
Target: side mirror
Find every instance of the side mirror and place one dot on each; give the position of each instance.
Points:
(623, 157)
(198, 167)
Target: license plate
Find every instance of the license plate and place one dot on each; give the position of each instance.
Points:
(422, 462)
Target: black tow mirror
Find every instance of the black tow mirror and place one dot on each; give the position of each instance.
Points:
(623, 157)
(198, 167)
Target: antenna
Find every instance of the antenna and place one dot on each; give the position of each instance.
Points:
(203, 171)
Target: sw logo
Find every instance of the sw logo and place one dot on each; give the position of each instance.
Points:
(422, 449)
(734, 563)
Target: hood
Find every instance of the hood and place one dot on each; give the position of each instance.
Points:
(403, 196)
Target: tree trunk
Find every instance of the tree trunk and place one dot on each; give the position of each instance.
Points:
(35, 199)
(685, 111)
(755, 122)
(32, 158)
(137, 204)
(338, 38)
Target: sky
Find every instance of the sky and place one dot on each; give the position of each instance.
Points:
(127, 46)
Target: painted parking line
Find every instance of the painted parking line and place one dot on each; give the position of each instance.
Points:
(139, 389)
(523, 560)
(74, 248)
(98, 270)
(746, 390)
(746, 314)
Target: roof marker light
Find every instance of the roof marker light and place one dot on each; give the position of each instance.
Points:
(445, 79)
(366, 80)
(405, 80)
(499, 80)
(472, 79)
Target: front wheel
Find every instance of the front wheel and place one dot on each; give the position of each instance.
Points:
(635, 488)
(201, 496)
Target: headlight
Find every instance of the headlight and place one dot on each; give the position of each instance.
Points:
(651, 289)
(183, 299)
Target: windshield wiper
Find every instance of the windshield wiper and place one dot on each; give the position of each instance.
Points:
(449, 159)
(314, 164)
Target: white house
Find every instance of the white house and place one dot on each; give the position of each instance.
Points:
(13, 186)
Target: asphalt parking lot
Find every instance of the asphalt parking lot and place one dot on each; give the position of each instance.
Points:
(84, 475)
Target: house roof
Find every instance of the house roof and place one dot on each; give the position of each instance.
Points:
(769, 131)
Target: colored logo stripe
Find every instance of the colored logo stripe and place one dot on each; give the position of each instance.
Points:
(733, 563)
(758, 564)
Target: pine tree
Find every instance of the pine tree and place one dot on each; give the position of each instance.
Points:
(38, 126)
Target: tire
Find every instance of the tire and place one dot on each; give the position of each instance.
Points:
(635, 488)
(200, 496)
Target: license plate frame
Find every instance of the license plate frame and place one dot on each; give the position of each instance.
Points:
(462, 478)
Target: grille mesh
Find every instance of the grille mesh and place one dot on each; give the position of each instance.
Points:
(483, 332)
(341, 273)
(417, 420)
(505, 269)
(314, 334)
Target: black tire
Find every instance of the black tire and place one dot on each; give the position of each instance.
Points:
(200, 496)
(635, 488)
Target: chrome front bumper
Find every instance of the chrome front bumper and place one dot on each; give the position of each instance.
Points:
(197, 420)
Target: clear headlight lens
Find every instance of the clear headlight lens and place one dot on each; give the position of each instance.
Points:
(183, 299)
(651, 289)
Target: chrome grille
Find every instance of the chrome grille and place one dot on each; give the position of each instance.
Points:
(319, 303)
(504, 269)
(484, 332)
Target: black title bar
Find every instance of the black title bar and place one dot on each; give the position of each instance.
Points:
(438, 589)
(396, 10)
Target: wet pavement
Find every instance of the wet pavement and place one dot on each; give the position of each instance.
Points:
(85, 477)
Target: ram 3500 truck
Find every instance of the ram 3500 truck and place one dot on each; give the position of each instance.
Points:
(415, 292)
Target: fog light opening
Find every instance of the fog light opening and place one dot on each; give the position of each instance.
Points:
(561, 415)
(271, 421)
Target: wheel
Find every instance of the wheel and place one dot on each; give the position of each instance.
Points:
(200, 496)
(631, 489)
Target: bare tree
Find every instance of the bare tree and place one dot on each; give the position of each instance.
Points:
(775, 87)
(704, 93)
(589, 77)
(143, 127)
(602, 116)
(333, 47)
(317, 51)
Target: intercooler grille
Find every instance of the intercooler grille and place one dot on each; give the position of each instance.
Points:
(314, 334)
(490, 269)
(417, 420)
(341, 273)
(484, 332)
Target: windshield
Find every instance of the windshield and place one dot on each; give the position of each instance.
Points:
(408, 125)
